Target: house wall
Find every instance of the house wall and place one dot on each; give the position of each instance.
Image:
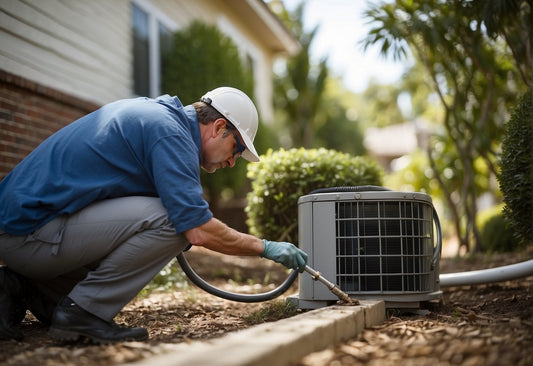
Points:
(62, 59)
(81, 48)
(29, 113)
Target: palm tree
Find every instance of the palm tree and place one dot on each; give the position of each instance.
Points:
(299, 92)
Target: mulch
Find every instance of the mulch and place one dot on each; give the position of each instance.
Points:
(489, 324)
(472, 325)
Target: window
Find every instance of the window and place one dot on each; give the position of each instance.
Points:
(152, 38)
(141, 52)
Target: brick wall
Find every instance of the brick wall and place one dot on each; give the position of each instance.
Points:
(29, 113)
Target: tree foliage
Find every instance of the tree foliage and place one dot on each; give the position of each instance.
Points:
(299, 92)
(475, 80)
(342, 129)
(381, 105)
(310, 111)
(512, 20)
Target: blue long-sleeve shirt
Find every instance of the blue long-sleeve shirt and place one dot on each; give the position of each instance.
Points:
(141, 146)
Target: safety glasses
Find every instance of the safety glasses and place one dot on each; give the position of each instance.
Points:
(240, 147)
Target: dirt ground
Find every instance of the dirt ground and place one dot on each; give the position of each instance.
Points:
(472, 325)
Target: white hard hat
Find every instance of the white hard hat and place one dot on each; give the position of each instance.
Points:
(239, 109)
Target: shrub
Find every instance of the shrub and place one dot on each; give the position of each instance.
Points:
(496, 235)
(285, 175)
(202, 58)
(516, 174)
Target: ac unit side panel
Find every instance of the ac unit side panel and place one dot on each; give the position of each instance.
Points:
(324, 252)
(305, 238)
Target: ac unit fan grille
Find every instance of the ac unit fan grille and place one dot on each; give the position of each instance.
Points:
(384, 246)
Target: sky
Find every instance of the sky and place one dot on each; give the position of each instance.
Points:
(342, 27)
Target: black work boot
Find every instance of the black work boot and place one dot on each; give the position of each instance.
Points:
(12, 304)
(70, 322)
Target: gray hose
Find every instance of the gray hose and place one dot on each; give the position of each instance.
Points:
(498, 274)
(200, 282)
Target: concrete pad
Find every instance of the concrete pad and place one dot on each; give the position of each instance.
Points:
(276, 343)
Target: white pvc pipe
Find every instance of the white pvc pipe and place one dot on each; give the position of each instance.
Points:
(497, 274)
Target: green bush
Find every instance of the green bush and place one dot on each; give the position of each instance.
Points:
(283, 176)
(496, 235)
(202, 58)
(517, 171)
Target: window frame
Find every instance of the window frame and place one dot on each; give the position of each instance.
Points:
(155, 18)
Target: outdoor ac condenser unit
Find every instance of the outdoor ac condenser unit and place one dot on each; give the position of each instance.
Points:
(375, 243)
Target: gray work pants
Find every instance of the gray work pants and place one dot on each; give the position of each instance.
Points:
(101, 256)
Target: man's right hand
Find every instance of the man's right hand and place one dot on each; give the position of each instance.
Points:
(285, 253)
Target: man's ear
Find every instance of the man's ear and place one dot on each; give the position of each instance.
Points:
(219, 125)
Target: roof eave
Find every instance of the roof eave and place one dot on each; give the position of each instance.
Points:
(266, 25)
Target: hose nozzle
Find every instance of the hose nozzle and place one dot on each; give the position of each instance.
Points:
(331, 286)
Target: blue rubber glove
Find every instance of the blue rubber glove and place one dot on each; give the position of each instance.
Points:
(285, 253)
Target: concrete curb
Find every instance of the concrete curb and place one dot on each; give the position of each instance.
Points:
(277, 343)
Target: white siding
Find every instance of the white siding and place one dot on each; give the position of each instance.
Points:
(78, 47)
(84, 47)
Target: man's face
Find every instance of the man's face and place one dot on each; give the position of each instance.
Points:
(222, 147)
